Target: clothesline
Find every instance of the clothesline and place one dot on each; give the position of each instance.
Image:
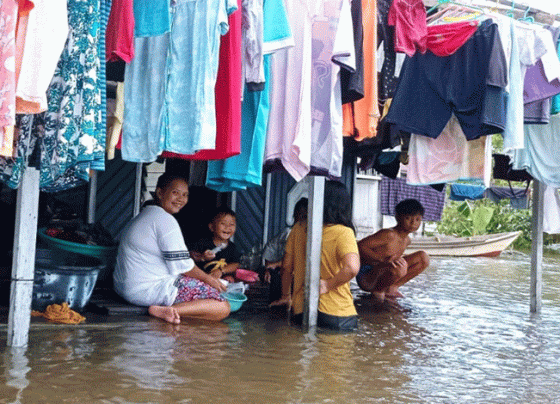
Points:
(519, 9)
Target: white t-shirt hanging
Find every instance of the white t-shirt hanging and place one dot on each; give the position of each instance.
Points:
(333, 40)
(47, 30)
(292, 97)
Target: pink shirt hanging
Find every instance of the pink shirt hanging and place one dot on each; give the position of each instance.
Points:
(120, 32)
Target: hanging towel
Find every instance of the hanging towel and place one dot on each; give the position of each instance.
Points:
(392, 191)
(461, 192)
(518, 196)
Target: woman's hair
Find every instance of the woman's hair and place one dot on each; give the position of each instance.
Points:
(338, 205)
(300, 210)
(164, 180)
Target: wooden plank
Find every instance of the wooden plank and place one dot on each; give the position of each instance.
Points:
(137, 189)
(537, 247)
(23, 262)
(92, 197)
(313, 262)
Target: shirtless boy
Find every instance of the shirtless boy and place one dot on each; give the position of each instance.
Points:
(383, 266)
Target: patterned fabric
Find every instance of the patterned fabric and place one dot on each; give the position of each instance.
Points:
(11, 170)
(71, 132)
(392, 191)
(192, 289)
(73, 119)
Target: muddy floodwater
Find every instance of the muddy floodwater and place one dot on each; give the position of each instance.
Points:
(463, 333)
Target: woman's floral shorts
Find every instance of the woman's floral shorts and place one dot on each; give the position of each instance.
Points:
(192, 289)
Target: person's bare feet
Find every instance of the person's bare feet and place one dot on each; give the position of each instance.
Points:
(379, 297)
(165, 313)
(393, 293)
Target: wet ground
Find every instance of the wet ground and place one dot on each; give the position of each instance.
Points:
(462, 334)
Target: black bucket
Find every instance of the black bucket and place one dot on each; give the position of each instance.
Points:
(64, 277)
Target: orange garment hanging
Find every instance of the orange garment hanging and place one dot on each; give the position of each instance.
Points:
(360, 117)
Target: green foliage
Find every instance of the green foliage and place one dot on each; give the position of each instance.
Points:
(486, 217)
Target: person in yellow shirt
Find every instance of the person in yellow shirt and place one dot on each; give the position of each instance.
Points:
(340, 262)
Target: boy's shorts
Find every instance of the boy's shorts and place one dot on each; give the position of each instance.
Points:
(364, 269)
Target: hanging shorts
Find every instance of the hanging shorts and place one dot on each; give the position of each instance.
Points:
(469, 83)
(192, 289)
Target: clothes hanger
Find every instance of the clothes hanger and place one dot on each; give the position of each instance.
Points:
(449, 2)
(453, 10)
(526, 18)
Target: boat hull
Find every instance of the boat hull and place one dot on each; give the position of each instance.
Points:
(490, 245)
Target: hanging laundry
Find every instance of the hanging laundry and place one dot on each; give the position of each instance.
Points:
(392, 191)
(462, 192)
(47, 30)
(227, 94)
(151, 17)
(11, 170)
(555, 107)
(71, 132)
(120, 31)
(305, 105)
(169, 85)
(409, 19)
(528, 46)
(540, 155)
(449, 157)
(245, 170)
(551, 210)
(115, 121)
(542, 82)
(446, 39)
(519, 197)
(431, 88)
(386, 36)
(360, 118)
(10, 11)
(253, 44)
(352, 82)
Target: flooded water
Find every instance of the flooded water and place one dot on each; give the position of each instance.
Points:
(462, 334)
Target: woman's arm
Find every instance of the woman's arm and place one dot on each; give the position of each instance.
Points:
(199, 274)
(350, 268)
(287, 269)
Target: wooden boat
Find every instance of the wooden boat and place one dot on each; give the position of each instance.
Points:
(489, 245)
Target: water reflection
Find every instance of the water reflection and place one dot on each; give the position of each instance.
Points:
(16, 372)
(462, 334)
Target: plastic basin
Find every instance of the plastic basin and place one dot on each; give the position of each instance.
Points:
(235, 300)
(106, 254)
(64, 277)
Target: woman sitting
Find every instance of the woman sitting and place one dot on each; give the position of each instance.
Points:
(154, 267)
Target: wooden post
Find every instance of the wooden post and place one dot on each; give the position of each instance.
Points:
(137, 189)
(537, 247)
(313, 263)
(92, 197)
(23, 261)
(266, 223)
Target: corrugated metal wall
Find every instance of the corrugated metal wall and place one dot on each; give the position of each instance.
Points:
(249, 209)
(115, 195)
(280, 185)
